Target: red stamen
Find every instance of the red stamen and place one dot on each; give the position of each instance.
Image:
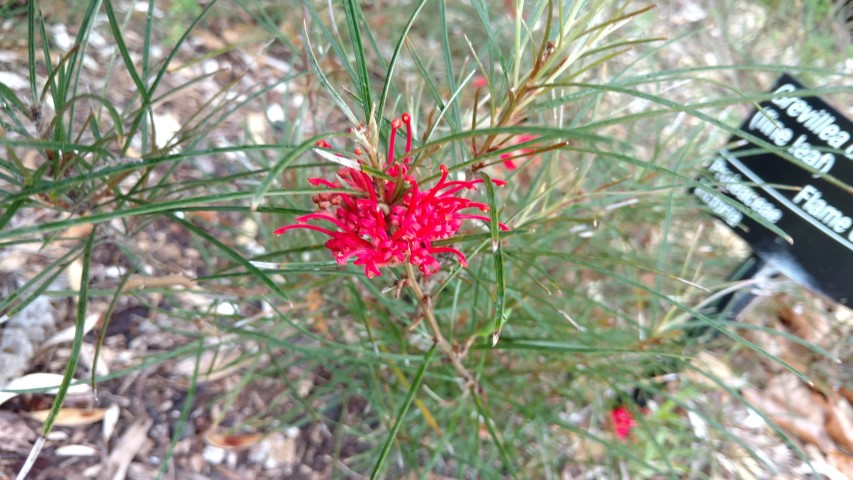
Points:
(303, 225)
(462, 259)
(321, 216)
(395, 125)
(438, 186)
(407, 119)
(323, 181)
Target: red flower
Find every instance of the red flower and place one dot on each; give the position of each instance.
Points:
(380, 229)
(623, 421)
(509, 158)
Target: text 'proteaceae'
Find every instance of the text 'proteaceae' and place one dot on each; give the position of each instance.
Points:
(382, 225)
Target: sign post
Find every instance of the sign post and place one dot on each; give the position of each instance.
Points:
(806, 192)
(810, 199)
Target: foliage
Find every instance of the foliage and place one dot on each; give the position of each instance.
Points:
(514, 362)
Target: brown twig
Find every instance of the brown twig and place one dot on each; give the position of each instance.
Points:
(425, 302)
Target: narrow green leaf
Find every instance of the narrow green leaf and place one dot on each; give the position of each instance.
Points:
(128, 166)
(11, 209)
(425, 76)
(279, 167)
(404, 408)
(331, 39)
(185, 411)
(162, 207)
(497, 253)
(125, 55)
(390, 72)
(451, 103)
(103, 333)
(46, 276)
(352, 13)
(54, 145)
(165, 66)
(455, 119)
(325, 81)
(31, 51)
(693, 110)
(12, 98)
(483, 410)
(146, 42)
(229, 252)
(495, 51)
(82, 309)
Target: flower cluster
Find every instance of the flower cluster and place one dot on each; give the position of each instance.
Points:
(623, 421)
(389, 222)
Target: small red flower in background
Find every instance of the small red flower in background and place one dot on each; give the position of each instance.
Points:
(623, 421)
(380, 229)
(510, 158)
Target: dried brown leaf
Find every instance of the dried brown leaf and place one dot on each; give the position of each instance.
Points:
(797, 410)
(841, 462)
(77, 231)
(233, 441)
(71, 417)
(839, 424)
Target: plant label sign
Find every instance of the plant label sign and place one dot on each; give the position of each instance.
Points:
(811, 200)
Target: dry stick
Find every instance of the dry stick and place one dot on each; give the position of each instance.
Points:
(426, 305)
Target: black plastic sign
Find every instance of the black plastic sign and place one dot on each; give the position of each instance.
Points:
(810, 200)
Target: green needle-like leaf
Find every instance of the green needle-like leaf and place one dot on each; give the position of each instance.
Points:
(497, 253)
(401, 414)
(352, 13)
(77, 343)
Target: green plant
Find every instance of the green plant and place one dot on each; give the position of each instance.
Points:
(506, 365)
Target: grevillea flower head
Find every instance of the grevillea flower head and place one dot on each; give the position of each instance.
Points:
(381, 225)
(623, 421)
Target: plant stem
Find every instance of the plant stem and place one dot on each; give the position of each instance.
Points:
(426, 305)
